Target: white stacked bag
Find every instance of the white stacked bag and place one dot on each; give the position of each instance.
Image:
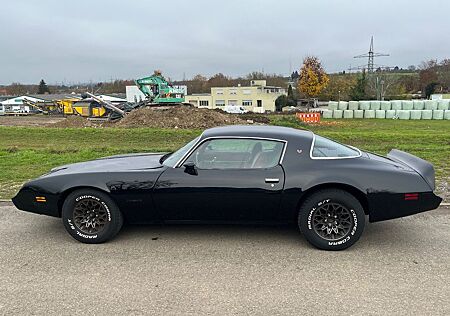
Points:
(395, 109)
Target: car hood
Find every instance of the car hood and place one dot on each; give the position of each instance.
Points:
(131, 162)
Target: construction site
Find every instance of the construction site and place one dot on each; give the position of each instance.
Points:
(152, 102)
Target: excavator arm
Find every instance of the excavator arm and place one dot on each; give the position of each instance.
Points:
(149, 86)
(157, 90)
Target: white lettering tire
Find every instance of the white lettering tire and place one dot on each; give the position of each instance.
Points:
(91, 216)
(331, 219)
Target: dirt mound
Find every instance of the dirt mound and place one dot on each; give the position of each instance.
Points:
(178, 117)
(161, 117)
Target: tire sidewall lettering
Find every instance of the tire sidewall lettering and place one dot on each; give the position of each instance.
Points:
(344, 239)
(72, 225)
(311, 212)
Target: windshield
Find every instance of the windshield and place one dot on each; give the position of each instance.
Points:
(173, 158)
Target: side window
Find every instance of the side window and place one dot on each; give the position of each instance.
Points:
(232, 153)
(326, 148)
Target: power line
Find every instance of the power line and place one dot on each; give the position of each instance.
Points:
(370, 58)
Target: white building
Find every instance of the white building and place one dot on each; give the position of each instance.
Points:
(258, 97)
(134, 94)
(17, 104)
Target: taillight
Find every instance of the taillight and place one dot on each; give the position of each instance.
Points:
(411, 196)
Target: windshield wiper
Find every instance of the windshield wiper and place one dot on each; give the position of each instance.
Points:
(164, 157)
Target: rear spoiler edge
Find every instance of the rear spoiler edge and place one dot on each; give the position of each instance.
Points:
(422, 167)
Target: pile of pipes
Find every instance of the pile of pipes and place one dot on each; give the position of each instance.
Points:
(397, 109)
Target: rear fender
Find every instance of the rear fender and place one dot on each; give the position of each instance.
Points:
(422, 167)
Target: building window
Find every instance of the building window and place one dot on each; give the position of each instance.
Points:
(247, 103)
(220, 102)
(232, 102)
(204, 103)
(219, 91)
(233, 91)
(247, 91)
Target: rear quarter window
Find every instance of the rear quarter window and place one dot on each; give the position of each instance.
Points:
(324, 148)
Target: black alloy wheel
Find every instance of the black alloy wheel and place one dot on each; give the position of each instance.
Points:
(332, 221)
(90, 216)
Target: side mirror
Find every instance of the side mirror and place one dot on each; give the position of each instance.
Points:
(189, 167)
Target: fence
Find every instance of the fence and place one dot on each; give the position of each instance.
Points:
(309, 117)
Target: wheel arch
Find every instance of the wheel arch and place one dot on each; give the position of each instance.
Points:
(64, 194)
(357, 193)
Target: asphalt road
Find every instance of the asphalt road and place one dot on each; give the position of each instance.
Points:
(398, 267)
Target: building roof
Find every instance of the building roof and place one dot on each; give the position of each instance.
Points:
(54, 97)
(111, 98)
(19, 100)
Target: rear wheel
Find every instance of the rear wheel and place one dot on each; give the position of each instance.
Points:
(331, 219)
(91, 216)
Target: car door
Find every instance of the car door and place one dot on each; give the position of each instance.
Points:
(224, 179)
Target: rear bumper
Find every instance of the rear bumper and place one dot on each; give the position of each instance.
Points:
(384, 206)
(26, 200)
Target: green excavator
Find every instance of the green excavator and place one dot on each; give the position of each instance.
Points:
(158, 91)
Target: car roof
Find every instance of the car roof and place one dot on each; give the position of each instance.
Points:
(265, 131)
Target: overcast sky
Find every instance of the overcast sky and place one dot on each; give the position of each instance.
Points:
(80, 41)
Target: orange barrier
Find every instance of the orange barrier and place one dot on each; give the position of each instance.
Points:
(312, 117)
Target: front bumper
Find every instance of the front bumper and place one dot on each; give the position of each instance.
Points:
(30, 200)
(384, 206)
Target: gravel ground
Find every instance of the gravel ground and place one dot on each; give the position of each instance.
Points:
(32, 120)
(398, 267)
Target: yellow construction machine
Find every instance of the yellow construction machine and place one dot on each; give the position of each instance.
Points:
(84, 107)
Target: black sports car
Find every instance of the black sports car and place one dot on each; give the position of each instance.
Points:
(238, 174)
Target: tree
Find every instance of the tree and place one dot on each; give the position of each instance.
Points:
(358, 92)
(280, 102)
(219, 80)
(428, 77)
(290, 92)
(198, 84)
(42, 89)
(16, 89)
(444, 74)
(339, 87)
(313, 78)
(429, 89)
(256, 75)
(283, 101)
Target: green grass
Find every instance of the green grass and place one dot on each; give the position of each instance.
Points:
(27, 152)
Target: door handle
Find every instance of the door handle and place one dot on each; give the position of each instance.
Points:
(272, 180)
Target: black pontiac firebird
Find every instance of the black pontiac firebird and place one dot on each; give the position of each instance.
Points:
(238, 174)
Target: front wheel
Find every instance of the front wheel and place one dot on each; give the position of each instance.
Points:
(331, 219)
(91, 216)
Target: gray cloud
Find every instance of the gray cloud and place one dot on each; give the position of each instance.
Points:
(98, 40)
